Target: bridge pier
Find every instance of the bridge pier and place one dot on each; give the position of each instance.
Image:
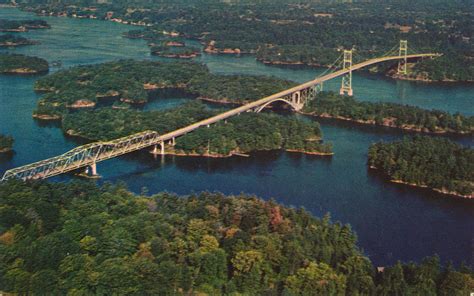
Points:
(90, 171)
(349, 91)
(161, 151)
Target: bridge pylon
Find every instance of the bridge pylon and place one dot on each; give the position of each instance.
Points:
(403, 52)
(346, 84)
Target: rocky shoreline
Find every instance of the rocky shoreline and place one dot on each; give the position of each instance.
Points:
(16, 44)
(439, 190)
(46, 116)
(23, 71)
(6, 150)
(176, 55)
(388, 122)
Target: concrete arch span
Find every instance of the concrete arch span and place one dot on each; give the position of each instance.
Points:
(292, 105)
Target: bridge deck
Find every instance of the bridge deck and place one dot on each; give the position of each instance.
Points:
(91, 153)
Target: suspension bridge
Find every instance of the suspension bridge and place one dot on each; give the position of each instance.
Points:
(87, 156)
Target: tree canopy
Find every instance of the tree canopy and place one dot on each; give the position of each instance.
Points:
(77, 238)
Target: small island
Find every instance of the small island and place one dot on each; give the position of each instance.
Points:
(435, 163)
(9, 40)
(6, 143)
(22, 26)
(22, 65)
(238, 135)
(107, 240)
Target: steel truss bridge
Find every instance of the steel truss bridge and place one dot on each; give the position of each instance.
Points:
(87, 156)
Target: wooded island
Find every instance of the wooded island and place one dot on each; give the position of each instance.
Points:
(436, 163)
(22, 65)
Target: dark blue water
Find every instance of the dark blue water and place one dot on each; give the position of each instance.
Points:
(392, 221)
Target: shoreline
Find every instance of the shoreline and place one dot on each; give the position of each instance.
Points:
(6, 150)
(445, 192)
(23, 72)
(176, 55)
(390, 125)
(46, 117)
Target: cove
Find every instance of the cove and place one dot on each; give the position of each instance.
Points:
(393, 222)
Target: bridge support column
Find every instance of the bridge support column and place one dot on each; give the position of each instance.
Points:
(90, 171)
(161, 151)
(346, 85)
(297, 100)
(94, 169)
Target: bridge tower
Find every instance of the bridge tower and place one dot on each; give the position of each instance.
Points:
(346, 85)
(403, 52)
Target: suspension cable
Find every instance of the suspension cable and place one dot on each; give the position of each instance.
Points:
(331, 67)
(390, 51)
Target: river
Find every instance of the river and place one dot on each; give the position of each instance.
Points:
(393, 222)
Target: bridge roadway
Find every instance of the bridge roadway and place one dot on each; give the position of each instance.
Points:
(90, 154)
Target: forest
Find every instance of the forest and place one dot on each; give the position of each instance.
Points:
(329, 104)
(22, 64)
(436, 163)
(241, 134)
(303, 32)
(10, 40)
(6, 143)
(22, 25)
(131, 81)
(78, 238)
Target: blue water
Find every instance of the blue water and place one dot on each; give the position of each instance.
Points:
(393, 222)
